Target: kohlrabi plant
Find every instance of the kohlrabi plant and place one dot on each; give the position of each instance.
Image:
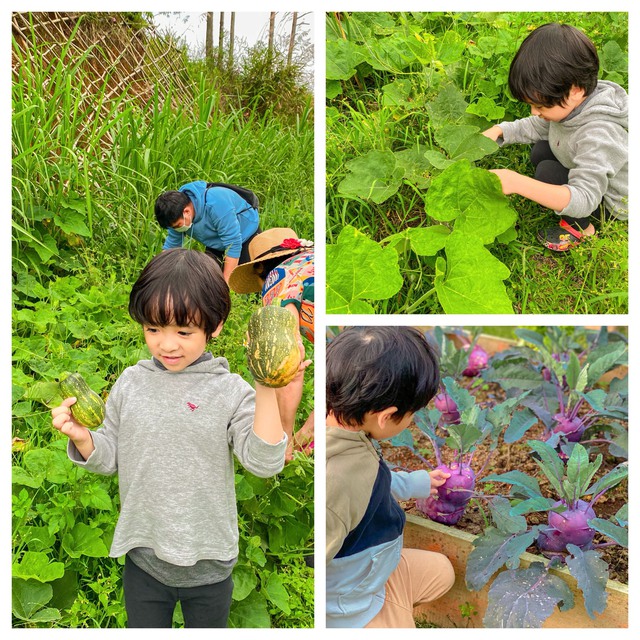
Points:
(455, 445)
(460, 356)
(571, 537)
(566, 392)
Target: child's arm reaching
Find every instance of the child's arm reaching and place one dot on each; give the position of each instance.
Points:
(552, 196)
(416, 484)
(80, 436)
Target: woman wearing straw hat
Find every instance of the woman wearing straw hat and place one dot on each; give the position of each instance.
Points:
(281, 269)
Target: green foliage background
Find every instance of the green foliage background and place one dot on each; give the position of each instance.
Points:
(83, 228)
(408, 95)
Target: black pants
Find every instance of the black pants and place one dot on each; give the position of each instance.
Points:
(549, 170)
(150, 604)
(218, 254)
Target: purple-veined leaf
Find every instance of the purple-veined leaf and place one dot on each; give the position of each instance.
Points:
(592, 573)
(611, 530)
(492, 551)
(503, 518)
(521, 422)
(525, 598)
(523, 483)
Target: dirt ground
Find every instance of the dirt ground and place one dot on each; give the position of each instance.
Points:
(507, 457)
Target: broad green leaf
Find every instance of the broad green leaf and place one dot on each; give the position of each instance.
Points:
(416, 165)
(244, 581)
(37, 565)
(618, 534)
(360, 270)
(96, 497)
(451, 46)
(486, 108)
(525, 598)
(343, 56)
(244, 490)
(464, 142)
(334, 89)
(614, 59)
(522, 482)
(474, 198)
(471, 279)
(393, 53)
(375, 176)
(72, 222)
(592, 573)
(28, 596)
(276, 592)
(84, 540)
(396, 93)
(428, 241)
(448, 107)
(250, 613)
(492, 551)
(20, 476)
(36, 538)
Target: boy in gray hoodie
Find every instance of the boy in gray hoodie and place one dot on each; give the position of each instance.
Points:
(171, 428)
(579, 131)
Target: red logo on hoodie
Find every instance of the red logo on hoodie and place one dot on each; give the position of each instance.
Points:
(192, 406)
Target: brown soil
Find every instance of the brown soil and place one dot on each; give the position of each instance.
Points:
(507, 457)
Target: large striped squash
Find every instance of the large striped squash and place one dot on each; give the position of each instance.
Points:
(88, 409)
(273, 354)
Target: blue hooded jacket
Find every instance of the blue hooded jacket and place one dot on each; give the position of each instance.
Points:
(223, 219)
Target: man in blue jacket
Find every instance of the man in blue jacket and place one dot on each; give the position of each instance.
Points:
(218, 217)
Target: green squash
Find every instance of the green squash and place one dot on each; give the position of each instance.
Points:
(88, 409)
(273, 354)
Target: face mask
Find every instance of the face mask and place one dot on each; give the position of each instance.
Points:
(184, 228)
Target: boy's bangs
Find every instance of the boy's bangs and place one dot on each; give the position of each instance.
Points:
(174, 309)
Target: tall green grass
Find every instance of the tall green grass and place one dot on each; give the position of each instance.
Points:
(87, 168)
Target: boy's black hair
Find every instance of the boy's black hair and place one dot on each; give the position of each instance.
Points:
(553, 58)
(183, 287)
(169, 207)
(370, 369)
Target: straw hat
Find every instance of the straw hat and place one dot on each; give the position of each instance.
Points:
(268, 244)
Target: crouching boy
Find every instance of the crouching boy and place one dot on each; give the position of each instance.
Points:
(377, 377)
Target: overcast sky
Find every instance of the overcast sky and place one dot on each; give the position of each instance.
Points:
(252, 26)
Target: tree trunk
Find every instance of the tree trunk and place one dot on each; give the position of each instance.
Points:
(232, 29)
(292, 38)
(221, 40)
(208, 42)
(272, 25)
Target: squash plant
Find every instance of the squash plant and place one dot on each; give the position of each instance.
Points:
(527, 597)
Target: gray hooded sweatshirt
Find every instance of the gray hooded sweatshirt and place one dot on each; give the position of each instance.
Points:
(171, 437)
(592, 142)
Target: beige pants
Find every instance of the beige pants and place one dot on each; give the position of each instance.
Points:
(421, 576)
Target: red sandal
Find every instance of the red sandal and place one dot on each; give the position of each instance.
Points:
(561, 237)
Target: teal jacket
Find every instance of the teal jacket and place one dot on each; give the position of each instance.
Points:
(223, 219)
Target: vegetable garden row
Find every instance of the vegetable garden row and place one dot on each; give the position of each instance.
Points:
(535, 438)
